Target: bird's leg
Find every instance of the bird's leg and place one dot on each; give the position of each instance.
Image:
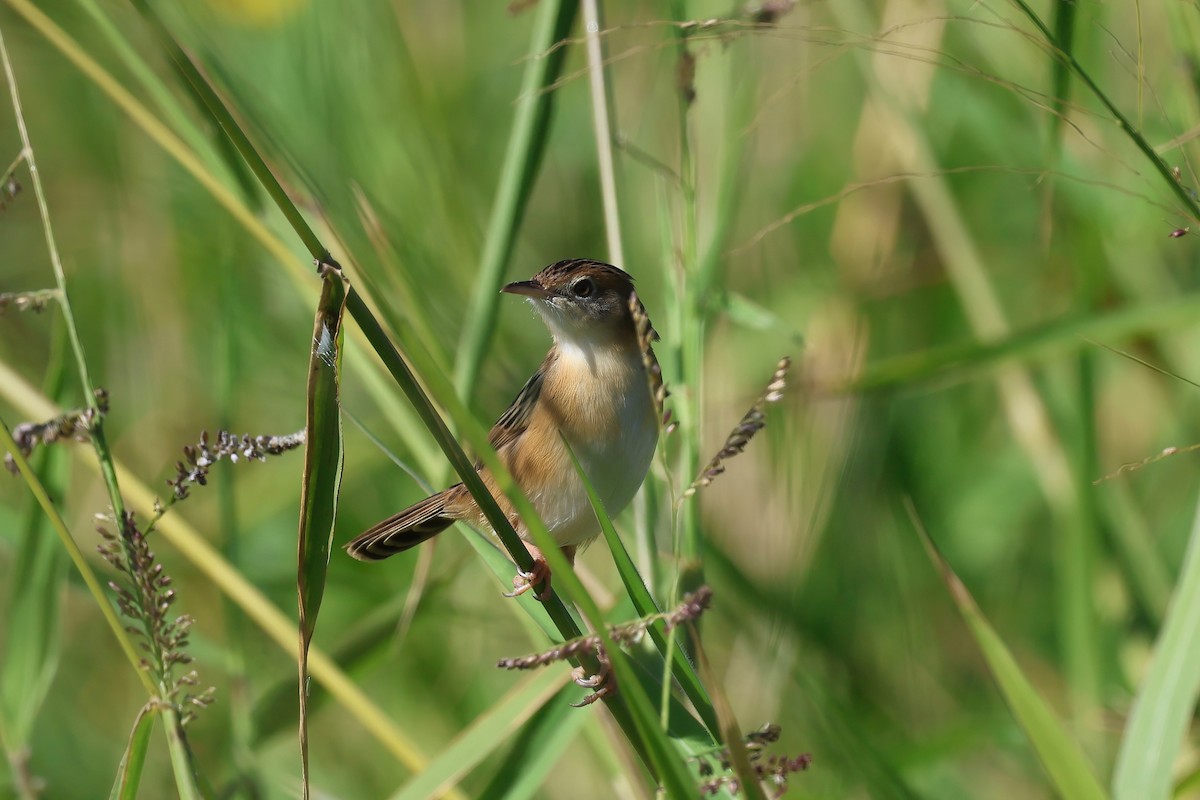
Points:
(540, 574)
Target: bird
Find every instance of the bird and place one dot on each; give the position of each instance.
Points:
(591, 390)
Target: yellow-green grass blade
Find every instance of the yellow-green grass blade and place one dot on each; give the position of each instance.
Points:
(174, 146)
(129, 771)
(1166, 701)
(225, 120)
(670, 769)
(322, 476)
(1063, 759)
(486, 734)
(145, 75)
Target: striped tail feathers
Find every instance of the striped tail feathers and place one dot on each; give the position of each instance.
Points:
(406, 529)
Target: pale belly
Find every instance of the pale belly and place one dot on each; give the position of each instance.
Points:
(615, 469)
(614, 442)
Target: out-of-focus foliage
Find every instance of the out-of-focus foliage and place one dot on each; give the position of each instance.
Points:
(877, 182)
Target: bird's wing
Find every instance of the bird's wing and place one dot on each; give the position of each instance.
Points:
(515, 420)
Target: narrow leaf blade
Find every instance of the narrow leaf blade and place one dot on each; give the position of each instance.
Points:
(322, 474)
(1065, 762)
(1167, 699)
(129, 771)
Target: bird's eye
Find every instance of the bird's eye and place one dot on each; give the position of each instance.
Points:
(583, 287)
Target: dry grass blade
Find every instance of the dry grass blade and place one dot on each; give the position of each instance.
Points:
(753, 422)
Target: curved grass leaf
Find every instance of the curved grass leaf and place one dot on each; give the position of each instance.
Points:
(129, 771)
(1061, 755)
(1166, 701)
(322, 475)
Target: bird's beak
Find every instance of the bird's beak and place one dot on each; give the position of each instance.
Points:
(528, 289)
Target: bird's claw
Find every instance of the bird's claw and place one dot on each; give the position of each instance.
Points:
(602, 682)
(524, 581)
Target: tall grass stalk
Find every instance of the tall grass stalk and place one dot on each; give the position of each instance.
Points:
(185, 778)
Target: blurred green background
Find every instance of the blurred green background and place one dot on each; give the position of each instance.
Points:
(886, 190)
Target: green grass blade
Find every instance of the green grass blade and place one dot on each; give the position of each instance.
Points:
(322, 475)
(129, 771)
(1166, 701)
(669, 767)
(85, 569)
(645, 606)
(1068, 767)
(220, 114)
(1061, 51)
(526, 144)
(1136, 550)
(145, 75)
(275, 707)
(32, 640)
(1064, 34)
(1060, 336)
(731, 733)
(486, 734)
(535, 749)
(670, 770)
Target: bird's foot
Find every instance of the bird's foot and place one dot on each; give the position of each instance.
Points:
(602, 682)
(524, 581)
